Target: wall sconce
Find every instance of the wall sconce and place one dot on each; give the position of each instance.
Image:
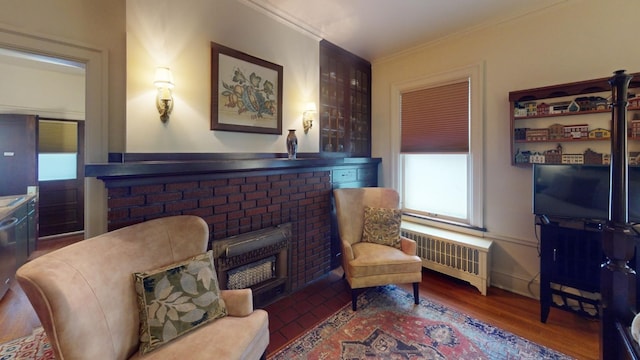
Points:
(164, 99)
(307, 116)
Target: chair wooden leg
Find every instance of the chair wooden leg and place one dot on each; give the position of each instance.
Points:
(416, 293)
(354, 299)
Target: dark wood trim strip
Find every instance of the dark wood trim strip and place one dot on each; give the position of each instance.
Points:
(182, 165)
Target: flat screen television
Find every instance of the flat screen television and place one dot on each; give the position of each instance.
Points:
(579, 192)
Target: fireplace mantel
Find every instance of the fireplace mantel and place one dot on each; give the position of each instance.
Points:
(238, 193)
(123, 168)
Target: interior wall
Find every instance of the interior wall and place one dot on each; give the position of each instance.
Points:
(574, 41)
(40, 91)
(94, 24)
(167, 33)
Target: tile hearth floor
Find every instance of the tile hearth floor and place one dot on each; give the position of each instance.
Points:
(293, 315)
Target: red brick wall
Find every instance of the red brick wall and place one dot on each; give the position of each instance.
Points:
(240, 204)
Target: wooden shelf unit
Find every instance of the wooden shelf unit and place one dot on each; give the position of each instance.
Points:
(596, 87)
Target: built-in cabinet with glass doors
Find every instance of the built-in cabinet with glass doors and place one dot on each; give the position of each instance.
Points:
(345, 102)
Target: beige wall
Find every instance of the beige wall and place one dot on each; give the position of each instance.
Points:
(32, 88)
(92, 23)
(168, 33)
(575, 41)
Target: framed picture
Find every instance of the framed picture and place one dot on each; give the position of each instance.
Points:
(246, 92)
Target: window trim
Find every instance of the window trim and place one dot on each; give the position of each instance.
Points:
(475, 74)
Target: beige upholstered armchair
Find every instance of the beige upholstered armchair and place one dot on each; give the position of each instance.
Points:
(368, 264)
(85, 297)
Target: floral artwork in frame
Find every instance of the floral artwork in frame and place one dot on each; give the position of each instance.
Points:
(246, 92)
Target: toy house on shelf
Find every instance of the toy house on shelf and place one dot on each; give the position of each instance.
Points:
(634, 127)
(576, 131)
(556, 156)
(634, 102)
(522, 157)
(537, 134)
(599, 133)
(592, 158)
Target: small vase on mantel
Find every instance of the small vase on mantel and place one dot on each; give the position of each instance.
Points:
(292, 144)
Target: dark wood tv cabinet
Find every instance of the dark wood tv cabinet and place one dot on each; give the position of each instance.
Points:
(570, 258)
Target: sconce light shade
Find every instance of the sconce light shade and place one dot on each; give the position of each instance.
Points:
(164, 78)
(310, 107)
(307, 116)
(164, 99)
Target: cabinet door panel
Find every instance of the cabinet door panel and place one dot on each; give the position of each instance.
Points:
(18, 153)
(345, 102)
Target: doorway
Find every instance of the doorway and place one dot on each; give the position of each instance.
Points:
(54, 91)
(96, 88)
(60, 176)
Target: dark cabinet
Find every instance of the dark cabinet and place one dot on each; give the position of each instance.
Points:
(17, 226)
(18, 147)
(350, 176)
(345, 102)
(570, 259)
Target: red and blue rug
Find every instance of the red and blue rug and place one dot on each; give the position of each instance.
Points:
(32, 347)
(388, 325)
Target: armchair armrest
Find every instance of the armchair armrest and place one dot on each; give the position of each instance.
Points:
(239, 302)
(408, 246)
(347, 251)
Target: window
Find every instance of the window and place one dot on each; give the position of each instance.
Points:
(439, 146)
(57, 150)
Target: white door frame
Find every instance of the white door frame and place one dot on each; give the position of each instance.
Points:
(96, 109)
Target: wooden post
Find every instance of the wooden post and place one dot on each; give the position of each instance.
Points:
(617, 279)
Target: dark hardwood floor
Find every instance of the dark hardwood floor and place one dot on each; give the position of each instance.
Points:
(293, 315)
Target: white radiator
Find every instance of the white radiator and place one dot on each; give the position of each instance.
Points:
(463, 256)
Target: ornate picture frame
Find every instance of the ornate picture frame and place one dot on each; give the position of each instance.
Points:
(246, 92)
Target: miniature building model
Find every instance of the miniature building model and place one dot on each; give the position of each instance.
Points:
(532, 109)
(537, 134)
(553, 156)
(592, 158)
(556, 131)
(559, 107)
(520, 134)
(536, 158)
(522, 157)
(576, 131)
(599, 133)
(635, 128)
(543, 109)
(572, 158)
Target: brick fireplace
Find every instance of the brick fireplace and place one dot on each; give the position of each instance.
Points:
(239, 193)
(236, 205)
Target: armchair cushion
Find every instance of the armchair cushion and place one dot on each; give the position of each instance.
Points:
(379, 260)
(176, 299)
(382, 226)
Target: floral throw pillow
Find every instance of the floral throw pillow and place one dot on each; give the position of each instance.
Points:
(382, 226)
(177, 298)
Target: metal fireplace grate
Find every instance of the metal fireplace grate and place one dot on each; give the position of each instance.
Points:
(258, 260)
(254, 273)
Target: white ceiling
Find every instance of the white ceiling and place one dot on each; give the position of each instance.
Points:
(375, 29)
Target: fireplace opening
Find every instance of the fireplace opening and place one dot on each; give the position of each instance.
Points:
(258, 260)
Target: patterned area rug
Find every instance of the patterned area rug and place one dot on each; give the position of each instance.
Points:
(388, 325)
(32, 347)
